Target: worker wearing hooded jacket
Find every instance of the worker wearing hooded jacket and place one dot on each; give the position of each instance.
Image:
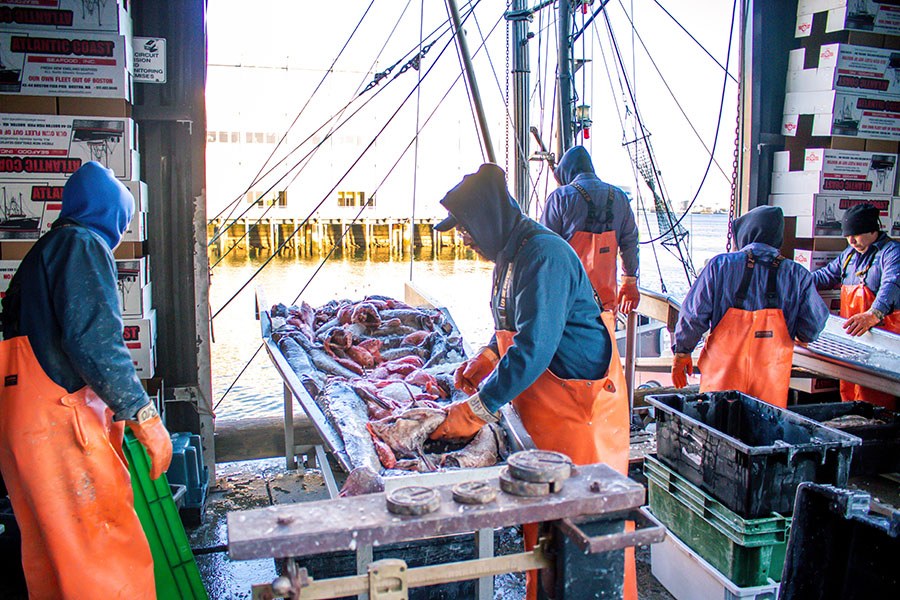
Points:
(756, 303)
(596, 219)
(868, 272)
(561, 370)
(69, 389)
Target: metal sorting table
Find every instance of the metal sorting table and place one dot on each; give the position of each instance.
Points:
(517, 437)
(871, 360)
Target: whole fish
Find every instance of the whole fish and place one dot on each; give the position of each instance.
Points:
(406, 432)
(299, 361)
(482, 451)
(321, 359)
(415, 318)
(348, 414)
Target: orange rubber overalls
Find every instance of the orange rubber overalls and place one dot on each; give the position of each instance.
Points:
(598, 251)
(856, 299)
(586, 420)
(750, 350)
(62, 461)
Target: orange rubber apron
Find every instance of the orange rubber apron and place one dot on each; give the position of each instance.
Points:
(597, 251)
(856, 299)
(61, 458)
(586, 420)
(750, 350)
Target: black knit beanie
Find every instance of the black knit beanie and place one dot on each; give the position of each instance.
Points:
(862, 218)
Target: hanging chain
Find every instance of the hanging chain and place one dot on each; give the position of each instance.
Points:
(734, 170)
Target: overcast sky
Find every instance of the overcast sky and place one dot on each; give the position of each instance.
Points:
(266, 58)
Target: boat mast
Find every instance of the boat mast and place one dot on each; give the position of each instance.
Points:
(521, 70)
(470, 77)
(566, 137)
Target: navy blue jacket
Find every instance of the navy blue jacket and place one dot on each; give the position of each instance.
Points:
(552, 306)
(883, 278)
(64, 295)
(761, 232)
(566, 211)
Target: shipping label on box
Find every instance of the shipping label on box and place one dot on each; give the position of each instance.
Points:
(814, 260)
(54, 147)
(829, 210)
(856, 15)
(836, 172)
(66, 15)
(29, 208)
(140, 339)
(843, 114)
(8, 268)
(848, 68)
(134, 300)
(58, 65)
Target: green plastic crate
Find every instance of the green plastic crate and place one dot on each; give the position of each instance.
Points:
(747, 551)
(174, 567)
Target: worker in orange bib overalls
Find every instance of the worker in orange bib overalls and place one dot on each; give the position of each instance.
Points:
(598, 222)
(869, 275)
(755, 303)
(552, 355)
(69, 388)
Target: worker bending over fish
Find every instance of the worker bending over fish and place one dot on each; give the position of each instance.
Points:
(552, 355)
(756, 303)
(868, 272)
(69, 389)
(596, 219)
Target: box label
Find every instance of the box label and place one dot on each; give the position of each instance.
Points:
(853, 172)
(78, 15)
(54, 147)
(855, 15)
(56, 65)
(829, 210)
(149, 60)
(863, 69)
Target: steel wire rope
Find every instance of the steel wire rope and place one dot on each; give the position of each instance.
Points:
(702, 47)
(637, 178)
(306, 158)
(329, 254)
(323, 125)
(328, 194)
(328, 72)
(672, 94)
(415, 180)
(541, 87)
(715, 138)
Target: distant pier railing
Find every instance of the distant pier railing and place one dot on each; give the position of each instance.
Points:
(319, 236)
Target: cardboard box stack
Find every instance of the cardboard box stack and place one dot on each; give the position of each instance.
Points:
(65, 98)
(842, 127)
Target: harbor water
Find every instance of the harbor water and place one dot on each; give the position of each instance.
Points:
(461, 282)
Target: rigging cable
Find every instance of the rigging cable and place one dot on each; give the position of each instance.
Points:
(415, 180)
(328, 71)
(715, 138)
(690, 35)
(334, 247)
(321, 202)
(672, 94)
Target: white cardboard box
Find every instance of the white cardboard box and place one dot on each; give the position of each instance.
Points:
(824, 220)
(814, 260)
(29, 208)
(836, 172)
(894, 221)
(67, 65)
(134, 301)
(814, 385)
(140, 338)
(54, 147)
(846, 68)
(66, 15)
(862, 15)
(8, 268)
(842, 114)
(135, 269)
(832, 300)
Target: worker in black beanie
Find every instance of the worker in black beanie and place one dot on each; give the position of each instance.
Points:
(868, 273)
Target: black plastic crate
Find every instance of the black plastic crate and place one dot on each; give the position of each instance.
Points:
(880, 449)
(749, 455)
(838, 549)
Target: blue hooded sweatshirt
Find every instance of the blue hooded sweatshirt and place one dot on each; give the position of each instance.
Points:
(551, 304)
(566, 211)
(881, 264)
(64, 296)
(760, 231)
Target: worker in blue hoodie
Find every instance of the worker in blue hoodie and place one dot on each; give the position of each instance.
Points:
(596, 219)
(756, 303)
(552, 355)
(69, 390)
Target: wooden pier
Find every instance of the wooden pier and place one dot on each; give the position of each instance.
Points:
(317, 237)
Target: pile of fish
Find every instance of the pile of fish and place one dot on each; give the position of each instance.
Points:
(382, 373)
